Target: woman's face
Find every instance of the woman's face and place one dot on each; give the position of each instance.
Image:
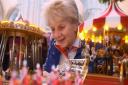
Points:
(63, 32)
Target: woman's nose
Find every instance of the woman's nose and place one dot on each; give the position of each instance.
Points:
(56, 35)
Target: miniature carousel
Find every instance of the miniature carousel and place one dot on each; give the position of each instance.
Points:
(21, 41)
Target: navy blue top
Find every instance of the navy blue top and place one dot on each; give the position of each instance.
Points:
(53, 56)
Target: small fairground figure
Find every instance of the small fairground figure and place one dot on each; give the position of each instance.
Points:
(24, 75)
(37, 77)
(100, 62)
(14, 79)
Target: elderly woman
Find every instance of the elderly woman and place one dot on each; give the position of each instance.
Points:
(63, 19)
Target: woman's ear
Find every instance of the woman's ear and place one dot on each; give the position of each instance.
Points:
(76, 26)
(75, 29)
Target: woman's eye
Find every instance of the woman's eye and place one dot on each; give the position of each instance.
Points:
(61, 27)
(52, 29)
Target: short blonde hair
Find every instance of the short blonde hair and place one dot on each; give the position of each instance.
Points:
(62, 9)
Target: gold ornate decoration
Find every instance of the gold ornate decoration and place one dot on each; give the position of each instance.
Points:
(21, 27)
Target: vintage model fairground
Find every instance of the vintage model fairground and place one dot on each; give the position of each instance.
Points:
(19, 41)
(111, 28)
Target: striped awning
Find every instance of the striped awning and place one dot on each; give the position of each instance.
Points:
(112, 17)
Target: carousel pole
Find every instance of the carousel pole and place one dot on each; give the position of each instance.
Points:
(3, 42)
(108, 37)
(85, 69)
(36, 51)
(104, 36)
(33, 52)
(20, 54)
(35, 59)
(40, 51)
(38, 44)
(26, 48)
(4, 47)
(85, 66)
(13, 60)
(38, 47)
(106, 29)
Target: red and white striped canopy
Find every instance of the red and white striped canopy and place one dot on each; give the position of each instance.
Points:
(113, 16)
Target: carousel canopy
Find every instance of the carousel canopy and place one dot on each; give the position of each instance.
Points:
(21, 26)
(112, 17)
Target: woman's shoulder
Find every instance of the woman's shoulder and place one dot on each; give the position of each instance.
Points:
(52, 43)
